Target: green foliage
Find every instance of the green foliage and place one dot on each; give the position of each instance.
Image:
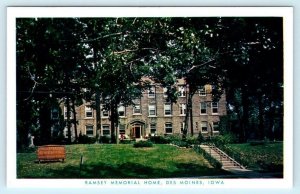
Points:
(264, 157)
(181, 143)
(192, 140)
(126, 141)
(84, 139)
(221, 140)
(143, 144)
(27, 150)
(52, 64)
(160, 140)
(105, 139)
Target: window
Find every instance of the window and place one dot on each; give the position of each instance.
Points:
(137, 109)
(151, 92)
(202, 91)
(54, 114)
(182, 109)
(65, 113)
(203, 108)
(165, 92)
(168, 109)
(168, 128)
(88, 112)
(121, 111)
(204, 127)
(153, 128)
(182, 91)
(152, 110)
(121, 129)
(215, 108)
(105, 130)
(89, 130)
(182, 125)
(216, 126)
(105, 113)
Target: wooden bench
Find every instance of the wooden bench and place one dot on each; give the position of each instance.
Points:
(51, 153)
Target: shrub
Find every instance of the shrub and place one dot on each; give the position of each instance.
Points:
(105, 139)
(142, 144)
(159, 140)
(181, 144)
(192, 140)
(84, 139)
(126, 141)
(172, 138)
(221, 140)
(200, 138)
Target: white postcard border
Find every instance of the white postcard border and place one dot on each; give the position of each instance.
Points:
(17, 12)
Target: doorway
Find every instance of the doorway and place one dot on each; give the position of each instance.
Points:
(137, 129)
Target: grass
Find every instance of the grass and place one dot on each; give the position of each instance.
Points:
(260, 157)
(119, 161)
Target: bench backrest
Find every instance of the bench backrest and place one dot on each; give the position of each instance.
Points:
(51, 152)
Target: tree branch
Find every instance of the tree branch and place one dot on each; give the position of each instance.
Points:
(201, 65)
(32, 77)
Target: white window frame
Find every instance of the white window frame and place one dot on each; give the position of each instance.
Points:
(182, 108)
(87, 110)
(214, 124)
(135, 108)
(105, 126)
(182, 125)
(203, 109)
(104, 111)
(122, 108)
(203, 125)
(151, 107)
(65, 113)
(165, 90)
(168, 107)
(123, 129)
(151, 92)
(86, 130)
(213, 106)
(182, 91)
(168, 127)
(202, 91)
(152, 128)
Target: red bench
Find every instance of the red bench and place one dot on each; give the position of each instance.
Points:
(51, 153)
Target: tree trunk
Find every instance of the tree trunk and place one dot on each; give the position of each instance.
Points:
(245, 117)
(190, 105)
(98, 115)
(186, 121)
(113, 118)
(261, 117)
(68, 119)
(74, 119)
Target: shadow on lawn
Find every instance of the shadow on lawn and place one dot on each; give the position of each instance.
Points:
(133, 170)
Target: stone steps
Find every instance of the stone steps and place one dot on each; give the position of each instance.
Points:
(226, 161)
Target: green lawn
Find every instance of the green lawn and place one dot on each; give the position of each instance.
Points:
(118, 161)
(261, 157)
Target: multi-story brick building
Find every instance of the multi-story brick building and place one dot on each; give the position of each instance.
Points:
(152, 114)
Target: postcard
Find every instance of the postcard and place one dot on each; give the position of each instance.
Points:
(150, 97)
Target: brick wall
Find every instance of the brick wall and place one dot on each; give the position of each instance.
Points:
(160, 119)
